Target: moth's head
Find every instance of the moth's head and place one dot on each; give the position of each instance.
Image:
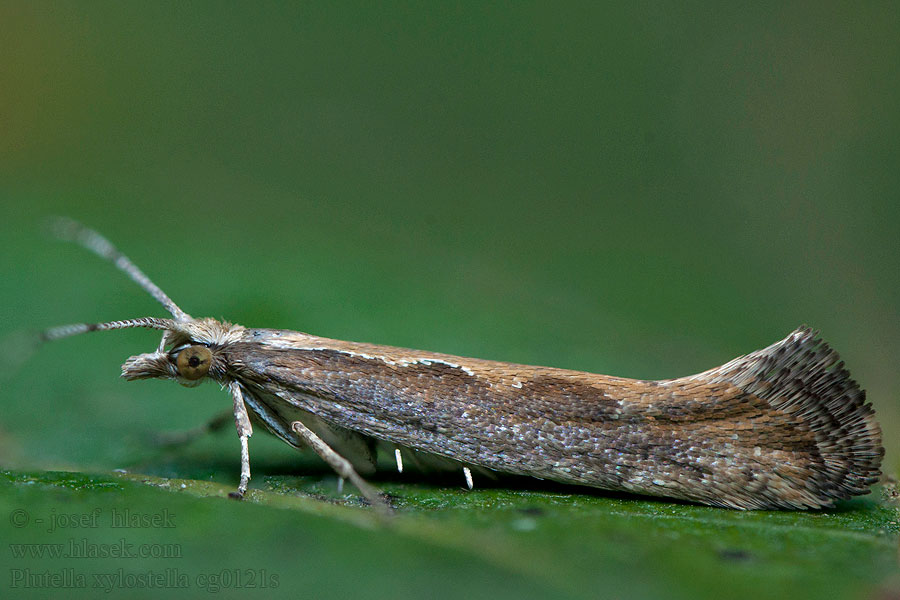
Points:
(191, 349)
(190, 352)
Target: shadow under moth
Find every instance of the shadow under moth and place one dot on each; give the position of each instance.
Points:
(781, 428)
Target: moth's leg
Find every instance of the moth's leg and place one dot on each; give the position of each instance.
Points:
(181, 438)
(244, 431)
(162, 341)
(467, 473)
(340, 464)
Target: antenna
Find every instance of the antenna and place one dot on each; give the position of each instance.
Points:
(70, 230)
(63, 331)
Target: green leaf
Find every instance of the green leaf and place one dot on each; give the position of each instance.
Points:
(301, 535)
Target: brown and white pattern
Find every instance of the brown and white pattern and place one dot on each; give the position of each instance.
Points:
(783, 427)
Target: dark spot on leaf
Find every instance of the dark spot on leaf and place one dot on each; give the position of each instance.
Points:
(532, 511)
(734, 555)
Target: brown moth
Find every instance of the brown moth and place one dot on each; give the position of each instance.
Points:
(783, 427)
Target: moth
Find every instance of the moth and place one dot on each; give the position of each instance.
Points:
(784, 427)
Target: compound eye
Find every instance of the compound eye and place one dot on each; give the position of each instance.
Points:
(193, 362)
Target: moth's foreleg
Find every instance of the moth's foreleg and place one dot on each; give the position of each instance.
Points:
(244, 431)
(245, 469)
(340, 464)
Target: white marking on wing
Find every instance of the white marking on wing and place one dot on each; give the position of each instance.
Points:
(403, 362)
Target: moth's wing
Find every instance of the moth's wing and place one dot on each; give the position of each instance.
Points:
(276, 416)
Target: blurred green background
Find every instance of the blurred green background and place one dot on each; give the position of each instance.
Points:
(639, 189)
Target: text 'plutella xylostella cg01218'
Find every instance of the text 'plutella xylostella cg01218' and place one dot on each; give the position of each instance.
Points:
(782, 427)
